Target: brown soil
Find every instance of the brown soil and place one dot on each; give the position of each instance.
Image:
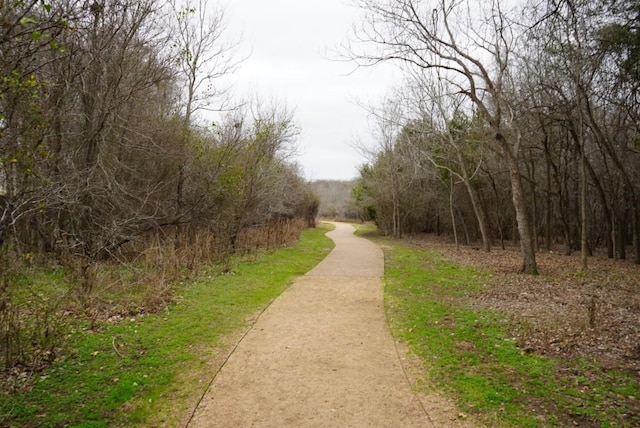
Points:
(322, 355)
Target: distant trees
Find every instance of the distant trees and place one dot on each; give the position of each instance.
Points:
(335, 199)
(536, 102)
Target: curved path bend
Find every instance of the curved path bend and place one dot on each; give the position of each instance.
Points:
(321, 355)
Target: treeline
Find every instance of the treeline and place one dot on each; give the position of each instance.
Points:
(515, 122)
(336, 199)
(103, 153)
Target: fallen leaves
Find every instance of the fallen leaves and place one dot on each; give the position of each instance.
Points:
(563, 312)
(588, 321)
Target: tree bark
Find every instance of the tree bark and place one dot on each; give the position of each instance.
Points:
(583, 210)
(547, 232)
(475, 203)
(453, 216)
(529, 264)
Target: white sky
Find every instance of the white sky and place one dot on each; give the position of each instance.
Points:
(288, 41)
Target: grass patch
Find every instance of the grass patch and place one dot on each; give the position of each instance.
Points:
(149, 370)
(473, 354)
(365, 229)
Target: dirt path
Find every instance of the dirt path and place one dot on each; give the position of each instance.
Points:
(322, 356)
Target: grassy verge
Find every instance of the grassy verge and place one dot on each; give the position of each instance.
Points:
(473, 355)
(150, 370)
(365, 229)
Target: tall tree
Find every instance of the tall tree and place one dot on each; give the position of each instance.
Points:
(29, 41)
(471, 43)
(203, 53)
(445, 134)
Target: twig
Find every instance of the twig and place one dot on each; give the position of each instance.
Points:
(113, 344)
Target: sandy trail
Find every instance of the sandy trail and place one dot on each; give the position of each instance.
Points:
(321, 355)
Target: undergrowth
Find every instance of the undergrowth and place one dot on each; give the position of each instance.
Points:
(148, 370)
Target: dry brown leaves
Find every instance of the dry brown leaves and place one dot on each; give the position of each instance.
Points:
(563, 312)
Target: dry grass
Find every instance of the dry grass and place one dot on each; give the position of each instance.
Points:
(38, 300)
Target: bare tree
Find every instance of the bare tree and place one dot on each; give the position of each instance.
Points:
(203, 57)
(29, 40)
(203, 53)
(585, 92)
(445, 136)
(393, 177)
(471, 43)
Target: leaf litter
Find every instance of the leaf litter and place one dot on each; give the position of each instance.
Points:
(563, 313)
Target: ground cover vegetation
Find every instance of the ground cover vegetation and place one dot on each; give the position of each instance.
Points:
(150, 369)
(518, 350)
(113, 186)
(517, 121)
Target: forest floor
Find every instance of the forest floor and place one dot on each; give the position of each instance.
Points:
(565, 313)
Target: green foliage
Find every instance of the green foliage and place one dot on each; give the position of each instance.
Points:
(133, 371)
(622, 41)
(363, 195)
(31, 324)
(309, 207)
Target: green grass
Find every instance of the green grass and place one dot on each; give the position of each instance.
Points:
(471, 354)
(148, 370)
(365, 229)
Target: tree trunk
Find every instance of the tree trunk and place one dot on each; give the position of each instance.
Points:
(477, 209)
(534, 213)
(178, 211)
(497, 206)
(605, 209)
(465, 229)
(622, 236)
(547, 232)
(613, 233)
(529, 264)
(453, 216)
(636, 234)
(583, 210)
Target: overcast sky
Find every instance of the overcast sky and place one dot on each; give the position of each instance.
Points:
(288, 41)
